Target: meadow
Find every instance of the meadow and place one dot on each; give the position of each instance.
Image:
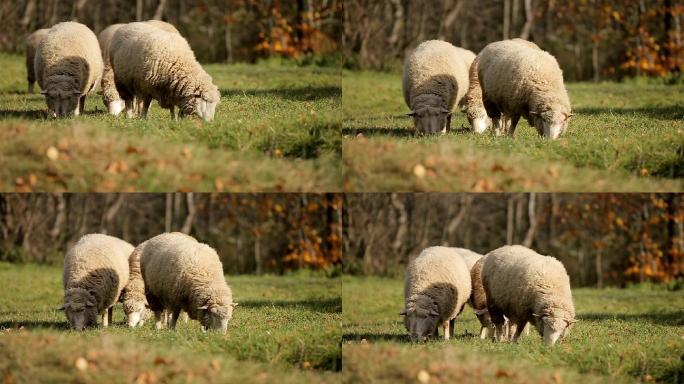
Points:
(623, 137)
(285, 329)
(623, 336)
(277, 128)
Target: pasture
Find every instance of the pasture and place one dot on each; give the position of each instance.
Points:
(624, 137)
(285, 329)
(623, 336)
(277, 128)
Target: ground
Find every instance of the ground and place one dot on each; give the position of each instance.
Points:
(277, 128)
(623, 137)
(623, 335)
(285, 328)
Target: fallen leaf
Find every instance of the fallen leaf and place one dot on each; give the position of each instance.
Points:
(423, 376)
(278, 153)
(187, 153)
(484, 185)
(218, 184)
(306, 365)
(117, 166)
(557, 378)
(553, 172)
(161, 360)
(145, 378)
(504, 373)
(81, 364)
(215, 365)
(32, 179)
(419, 171)
(52, 153)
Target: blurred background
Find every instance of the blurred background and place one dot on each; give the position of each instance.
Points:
(602, 239)
(592, 39)
(252, 233)
(229, 31)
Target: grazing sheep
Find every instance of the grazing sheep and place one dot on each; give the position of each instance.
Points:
(110, 96)
(435, 80)
(475, 110)
(133, 295)
(183, 274)
(469, 257)
(437, 287)
(519, 79)
(528, 287)
(32, 42)
(68, 66)
(95, 272)
(149, 63)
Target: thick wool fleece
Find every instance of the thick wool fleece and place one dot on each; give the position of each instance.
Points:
(442, 275)
(70, 54)
(150, 63)
(520, 283)
(32, 42)
(98, 264)
(181, 273)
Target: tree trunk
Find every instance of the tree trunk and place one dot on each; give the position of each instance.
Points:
(529, 21)
(168, 213)
(187, 225)
(139, 5)
(510, 211)
(159, 12)
(506, 18)
(60, 216)
(402, 223)
(532, 216)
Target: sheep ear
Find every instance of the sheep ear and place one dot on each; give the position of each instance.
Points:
(568, 115)
(411, 114)
(63, 307)
(235, 305)
(43, 92)
(535, 113)
(403, 312)
(79, 93)
(203, 307)
(433, 313)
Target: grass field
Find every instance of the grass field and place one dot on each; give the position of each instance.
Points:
(285, 329)
(623, 137)
(276, 128)
(622, 336)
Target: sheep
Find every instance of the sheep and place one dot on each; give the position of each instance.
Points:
(149, 63)
(32, 42)
(437, 287)
(434, 81)
(110, 96)
(182, 274)
(95, 272)
(133, 295)
(527, 287)
(519, 79)
(68, 66)
(469, 257)
(475, 110)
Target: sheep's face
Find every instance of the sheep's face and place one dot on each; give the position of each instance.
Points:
(205, 109)
(553, 329)
(116, 107)
(430, 120)
(420, 318)
(479, 122)
(551, 124)
(62, 101)
(215, 318)
(79, 307)
(136, 313)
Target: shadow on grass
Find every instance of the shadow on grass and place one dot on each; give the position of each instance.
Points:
(666, 318)
(672, 112)
(399, 338)
(319, 305)
(294, 94)
(379, 131)
(63, 325)
(674, 168)
(41, 114)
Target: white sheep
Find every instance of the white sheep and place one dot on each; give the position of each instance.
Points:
(527, 287)
(110, 96)
(150, 63)
(182, 274)
(95, 272)
(435, 80)
(437, 287)
(519, 79)
(133, 295)
(68, 66)
(32, 42)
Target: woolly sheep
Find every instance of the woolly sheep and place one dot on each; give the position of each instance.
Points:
(526, 287)
(110, 96)
(133, 295)
(182, 274)
(68, 66)
(437, 287)
(149, 63)
(518, 79)
(435, 80)
(95, 272)
(32, 42)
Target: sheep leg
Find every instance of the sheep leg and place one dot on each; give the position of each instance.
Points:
(512, 124)
(452, 326)
(445, 325)
(103, 315)
(158, 324)
(174, 113)
(145, 107)
(174, 318)
(81, 104)
(110, 315)
(130, 108)
(498, 320)
(512, 330)
(518, 331)
(30, 87)
(483, 332)
(448, 125)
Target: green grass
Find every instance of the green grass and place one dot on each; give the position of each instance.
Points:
(276, 128)
(623, 336)
(286, 328)
(623, 137)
